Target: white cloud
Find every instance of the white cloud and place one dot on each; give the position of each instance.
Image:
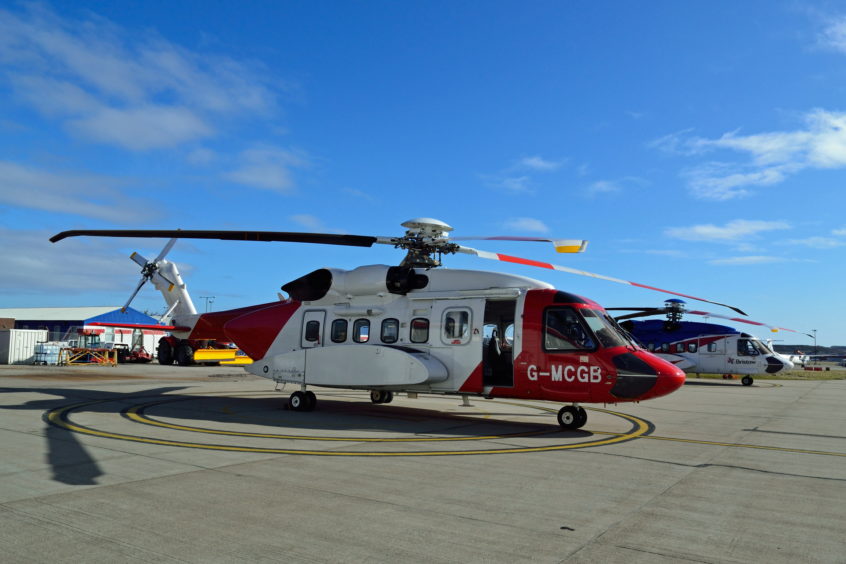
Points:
(666, 253)
(33, 265)
(747, 260)
(839, 232)
(269, 168)
(604, 187)
(772, 156)
(309, 222)
(817, 242)
(136, 91)
(834, 35)
(89, 196)
(733, 231)
(526, 224)
(514, 184)
(151, 127)
(539, 163)
(359, 194)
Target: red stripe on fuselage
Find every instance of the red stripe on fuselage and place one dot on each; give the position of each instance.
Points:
(210, 325)
(256, 330)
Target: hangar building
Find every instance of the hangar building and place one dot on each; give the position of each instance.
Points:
(64, 323)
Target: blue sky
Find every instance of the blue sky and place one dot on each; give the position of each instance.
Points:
(698, 146)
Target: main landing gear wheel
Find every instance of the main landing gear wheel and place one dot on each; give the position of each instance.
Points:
(381, 396)
(572, 417)
(302, 401)
(746, 380)
(165, 353)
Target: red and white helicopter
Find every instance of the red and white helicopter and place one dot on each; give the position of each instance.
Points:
(418, 328)
(700, 347)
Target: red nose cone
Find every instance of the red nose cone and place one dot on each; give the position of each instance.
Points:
(670, 377)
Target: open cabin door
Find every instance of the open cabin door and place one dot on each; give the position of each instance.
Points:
(498, 343)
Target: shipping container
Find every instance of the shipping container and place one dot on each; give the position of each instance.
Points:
(17, 346)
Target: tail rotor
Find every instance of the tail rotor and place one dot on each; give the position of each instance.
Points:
(150, 271)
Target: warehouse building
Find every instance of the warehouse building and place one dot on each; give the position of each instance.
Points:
(109, 323)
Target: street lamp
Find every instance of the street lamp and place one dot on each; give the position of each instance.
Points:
(815, 344)
(209, 301)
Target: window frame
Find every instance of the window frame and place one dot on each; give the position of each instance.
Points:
(333, 332)
(311, 331)
(393, 321)
(582, 324)
(462, 338)
(358, 324)
(412, 329)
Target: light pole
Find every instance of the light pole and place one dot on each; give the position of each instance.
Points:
(815, 344)
(209, 301)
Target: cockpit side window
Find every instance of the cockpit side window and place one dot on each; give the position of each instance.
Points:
(564, 331)
(745, 347)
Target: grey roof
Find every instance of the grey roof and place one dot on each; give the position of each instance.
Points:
(55, 313)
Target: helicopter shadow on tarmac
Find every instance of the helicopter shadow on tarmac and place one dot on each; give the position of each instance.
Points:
(72, 464)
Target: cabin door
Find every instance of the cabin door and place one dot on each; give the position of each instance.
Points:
(498, 343)
(313, 332)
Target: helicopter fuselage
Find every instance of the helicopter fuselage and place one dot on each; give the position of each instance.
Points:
(463, 332)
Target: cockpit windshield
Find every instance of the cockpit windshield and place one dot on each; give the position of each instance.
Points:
(606, 330)
(751, 347)
(570, 329)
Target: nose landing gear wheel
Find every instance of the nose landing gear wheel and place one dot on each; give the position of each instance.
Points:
(746, 380)
(572, 417)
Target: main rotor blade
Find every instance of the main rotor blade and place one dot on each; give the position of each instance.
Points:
(561, 245)
(283, 236)
(529, 262)
(645, 313)
(772, 328)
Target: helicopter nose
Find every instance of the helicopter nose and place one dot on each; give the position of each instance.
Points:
(777, 364)
(641, 375)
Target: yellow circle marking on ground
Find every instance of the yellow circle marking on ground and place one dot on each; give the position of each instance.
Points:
(59, 418)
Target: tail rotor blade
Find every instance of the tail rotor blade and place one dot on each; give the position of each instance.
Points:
(138, 259)
(166, 249)
(167, 280)
(135, 293)
(529, 262)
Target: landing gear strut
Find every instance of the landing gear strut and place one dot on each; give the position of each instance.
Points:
(572, 417)
(746, 380)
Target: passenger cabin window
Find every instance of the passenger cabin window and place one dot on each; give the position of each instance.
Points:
(339, 331)
(312, 331)
(361, 330)
(419, 330)
(390, 331)
(692, 347)
(456, 326)
(712, 347)
(564, 331)
(665, 347)
(679, 347)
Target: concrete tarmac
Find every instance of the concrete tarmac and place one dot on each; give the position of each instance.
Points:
(169, 464)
